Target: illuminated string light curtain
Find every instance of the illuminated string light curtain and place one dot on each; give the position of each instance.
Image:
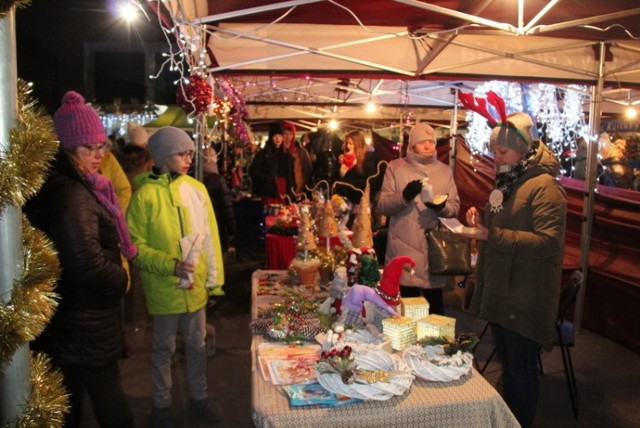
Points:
(558, 112)
(116, 124)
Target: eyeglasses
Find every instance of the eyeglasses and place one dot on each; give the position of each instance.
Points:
(187, 154)
(95, 148)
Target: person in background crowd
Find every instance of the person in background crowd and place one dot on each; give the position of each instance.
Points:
(301, 160)
(519, 268)
(135, 160)
(580, 160)
(410, 217)
(78, 210)
(305, 140)
(138, 136)
(171, 219)
(110, 167)
(238, 181)
(221, 199)
(272, 168)
(322, 151)
(617, 170)
(357, 163)
(633, 155)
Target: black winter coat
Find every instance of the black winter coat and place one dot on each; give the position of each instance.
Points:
(86, 329)
(268, 164)
(359, 181)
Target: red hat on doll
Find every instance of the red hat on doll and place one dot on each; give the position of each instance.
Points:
(389, 287)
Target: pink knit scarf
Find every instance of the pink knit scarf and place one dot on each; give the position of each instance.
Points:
(103, 190)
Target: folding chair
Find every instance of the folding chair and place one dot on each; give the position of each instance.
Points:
(565, 335)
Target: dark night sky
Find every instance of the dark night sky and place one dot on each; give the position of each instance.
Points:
(51, 37)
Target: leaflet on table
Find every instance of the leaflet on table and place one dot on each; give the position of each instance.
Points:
(293, 370)
(454, 225)
(313, 394)
(283, 363)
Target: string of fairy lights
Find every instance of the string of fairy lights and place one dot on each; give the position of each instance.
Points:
(558, 110)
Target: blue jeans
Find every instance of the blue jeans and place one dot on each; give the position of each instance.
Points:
(165, 329)
(519, 358)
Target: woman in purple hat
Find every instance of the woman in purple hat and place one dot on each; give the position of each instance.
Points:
(78, 210)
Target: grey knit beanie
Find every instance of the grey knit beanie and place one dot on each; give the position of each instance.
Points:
(168, 141)
(420, 133)
(515, 134)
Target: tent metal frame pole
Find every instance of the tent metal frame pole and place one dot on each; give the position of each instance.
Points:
(595, 111)
(198, 158)
(454, 130)
(15, 382)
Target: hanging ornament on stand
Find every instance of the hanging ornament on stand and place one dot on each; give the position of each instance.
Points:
(195, 95)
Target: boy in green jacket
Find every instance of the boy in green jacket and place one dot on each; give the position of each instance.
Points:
(172, 222)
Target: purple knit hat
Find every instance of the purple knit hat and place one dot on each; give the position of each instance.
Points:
(76, 123)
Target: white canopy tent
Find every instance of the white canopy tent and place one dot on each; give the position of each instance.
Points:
(299, 53)
(305, 58)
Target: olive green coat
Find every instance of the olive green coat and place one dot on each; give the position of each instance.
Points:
(520, 265)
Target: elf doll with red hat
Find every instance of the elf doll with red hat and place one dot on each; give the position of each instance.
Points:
(381, 300)
(389, 286)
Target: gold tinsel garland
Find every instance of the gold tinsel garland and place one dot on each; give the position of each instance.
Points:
(32, 299)
(5, 5)
(47, 405)
(33, 146)
(32, 302)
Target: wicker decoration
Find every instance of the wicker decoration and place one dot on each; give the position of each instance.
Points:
(362, 340)
(379, 376)
(431, 363)
(362, 234)
(328, 224)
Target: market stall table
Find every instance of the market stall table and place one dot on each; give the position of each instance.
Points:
(469, 401)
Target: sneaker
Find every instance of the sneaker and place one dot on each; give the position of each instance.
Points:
(207, 410)
(161, 417)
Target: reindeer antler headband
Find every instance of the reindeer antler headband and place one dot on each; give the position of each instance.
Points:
(479, 105)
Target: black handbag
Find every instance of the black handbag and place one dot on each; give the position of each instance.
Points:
(448, 253)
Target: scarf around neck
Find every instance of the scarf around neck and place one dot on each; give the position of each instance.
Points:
(420, 161)
(506, 180)
(102, 188)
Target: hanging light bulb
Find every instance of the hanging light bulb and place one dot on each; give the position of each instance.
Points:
(630, 112)
(371, 107)
(333, 124)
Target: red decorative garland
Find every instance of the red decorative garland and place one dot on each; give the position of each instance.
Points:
(196, 95)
